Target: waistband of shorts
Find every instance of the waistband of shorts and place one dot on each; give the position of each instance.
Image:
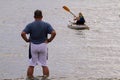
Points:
(37, 44)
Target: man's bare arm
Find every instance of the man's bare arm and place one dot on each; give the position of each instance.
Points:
(23, 35)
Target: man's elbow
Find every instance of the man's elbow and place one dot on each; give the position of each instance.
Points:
(23, 34)
(54, 33)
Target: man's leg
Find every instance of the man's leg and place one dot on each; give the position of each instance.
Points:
(30, 71)
(45, 70)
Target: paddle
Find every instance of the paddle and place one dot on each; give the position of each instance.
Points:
(68, 10)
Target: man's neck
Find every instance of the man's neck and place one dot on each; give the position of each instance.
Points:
(38, 19)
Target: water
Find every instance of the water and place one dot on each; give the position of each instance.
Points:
(73, 55)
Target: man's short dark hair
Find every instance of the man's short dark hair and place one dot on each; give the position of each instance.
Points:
(38, 14)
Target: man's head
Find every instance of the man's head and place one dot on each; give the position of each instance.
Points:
(38, 14)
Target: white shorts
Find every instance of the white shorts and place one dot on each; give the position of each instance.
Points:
(39, 54)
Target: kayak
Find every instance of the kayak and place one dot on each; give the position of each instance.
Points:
(78, 27)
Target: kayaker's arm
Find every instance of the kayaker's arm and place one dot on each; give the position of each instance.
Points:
(77, 18)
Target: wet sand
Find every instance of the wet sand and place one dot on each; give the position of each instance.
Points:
(74, 54)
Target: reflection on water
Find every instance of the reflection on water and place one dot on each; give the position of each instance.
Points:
(80, 33)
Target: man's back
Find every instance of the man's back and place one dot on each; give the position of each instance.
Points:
(38, 31)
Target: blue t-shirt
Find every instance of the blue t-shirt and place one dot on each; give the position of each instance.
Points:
(82, 19)
(38, 31)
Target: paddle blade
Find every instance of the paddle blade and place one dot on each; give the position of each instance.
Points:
(66, 8)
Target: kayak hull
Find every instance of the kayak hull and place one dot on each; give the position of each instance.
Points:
(78, 27)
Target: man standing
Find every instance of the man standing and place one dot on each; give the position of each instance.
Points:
(38, 39)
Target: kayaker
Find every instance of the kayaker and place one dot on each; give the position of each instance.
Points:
(80, 19)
